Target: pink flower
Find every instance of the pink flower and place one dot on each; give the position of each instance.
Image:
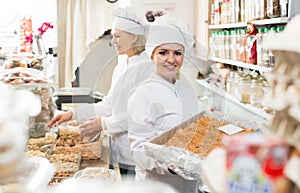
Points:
(29, 38)
(45, 26)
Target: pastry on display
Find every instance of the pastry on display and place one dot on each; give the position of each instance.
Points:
(202, 137)
(96, 173)
(38, 84)
(285, 94)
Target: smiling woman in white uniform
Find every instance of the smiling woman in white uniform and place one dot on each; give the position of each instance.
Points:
(133, 67)
(162, 101)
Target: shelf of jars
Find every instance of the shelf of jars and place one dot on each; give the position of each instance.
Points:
(279, 20)
(261, 69)
(220, 91)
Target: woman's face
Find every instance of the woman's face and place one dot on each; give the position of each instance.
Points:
(168, 60)
(123, 41)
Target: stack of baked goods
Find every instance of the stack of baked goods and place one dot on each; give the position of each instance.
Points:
(35, 81)
(69, 140)
(203, 136)
(284, 95)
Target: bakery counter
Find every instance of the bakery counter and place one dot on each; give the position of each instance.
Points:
(70, 154)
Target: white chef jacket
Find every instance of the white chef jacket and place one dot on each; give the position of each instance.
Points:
(113, 108)
(154, 107)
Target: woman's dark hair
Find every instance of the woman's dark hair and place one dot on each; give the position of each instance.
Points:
(150, 15)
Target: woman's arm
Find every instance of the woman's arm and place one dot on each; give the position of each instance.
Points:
(143, 126)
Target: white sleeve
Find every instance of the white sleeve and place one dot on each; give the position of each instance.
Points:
(111, 125)
(102, 108)
(142, 127)
(89, 111)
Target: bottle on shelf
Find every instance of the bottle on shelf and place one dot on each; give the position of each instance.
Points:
(273, 8)
(266, 59)
(227, 44)
(232, 45)
(235, 11)
(262, 9)
(284, 4)
(217, 12)
(212, 14)
(259, 47)
(212, 49)
(221, 46)
(237, 44)
(225, 12)
(242, 7)
(272, 34)
(243, 39)
(247, 9)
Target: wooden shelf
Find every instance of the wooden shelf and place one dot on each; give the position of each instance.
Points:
(257, 111)
(240, 64)
(279, 20)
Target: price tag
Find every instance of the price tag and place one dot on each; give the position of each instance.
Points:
(230, 129)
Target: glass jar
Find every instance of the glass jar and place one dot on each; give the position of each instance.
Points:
(257, 93)
(229, 81)
(266, 107)
(273, 8)
(244, 87)
(234, 85)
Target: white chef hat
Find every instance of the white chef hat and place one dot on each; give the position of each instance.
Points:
(168, 29)
(126, 20)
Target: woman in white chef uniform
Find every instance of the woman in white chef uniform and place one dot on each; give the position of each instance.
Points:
(162, 101)
(133, 67)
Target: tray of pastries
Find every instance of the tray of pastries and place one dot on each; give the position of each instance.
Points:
(70, 141)
(66, 165)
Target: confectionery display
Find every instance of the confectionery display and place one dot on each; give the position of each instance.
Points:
(243, 136)
(284, 97)
(38, 84)
(202, 137)
(96, 174)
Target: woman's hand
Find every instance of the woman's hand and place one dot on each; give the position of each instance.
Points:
(170, 168)
(60, 118)
(91, 128)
